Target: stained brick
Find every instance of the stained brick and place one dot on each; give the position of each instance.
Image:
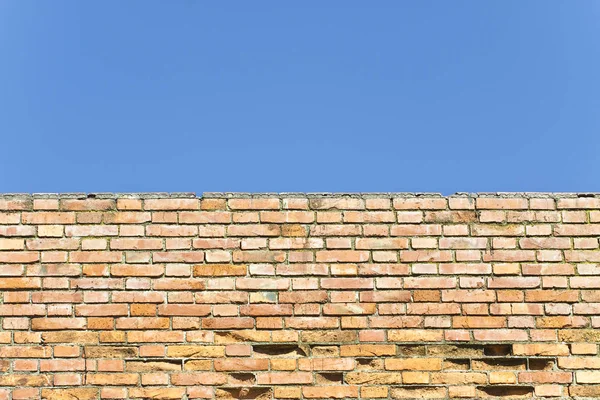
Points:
(321, 296)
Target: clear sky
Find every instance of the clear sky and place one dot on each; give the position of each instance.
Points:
(311, 96)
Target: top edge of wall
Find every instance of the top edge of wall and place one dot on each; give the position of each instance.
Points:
(162, 195)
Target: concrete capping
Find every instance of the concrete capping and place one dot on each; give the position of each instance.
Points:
(231, 195)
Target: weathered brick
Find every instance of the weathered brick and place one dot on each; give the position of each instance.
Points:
(20, 283)
(284, 378)
(70, 393)
(322, 296)
(48, 324)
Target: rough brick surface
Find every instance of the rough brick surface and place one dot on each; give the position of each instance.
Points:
(292, 296)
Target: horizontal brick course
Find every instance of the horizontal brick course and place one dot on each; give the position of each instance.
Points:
(299, 296)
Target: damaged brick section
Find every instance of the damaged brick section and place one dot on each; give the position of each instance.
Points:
(299, 296)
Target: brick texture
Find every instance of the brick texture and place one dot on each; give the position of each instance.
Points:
(292, 296)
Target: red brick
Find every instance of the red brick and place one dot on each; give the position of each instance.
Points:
(20, 283)
(416, 230)
(254, 204)
(545, 377)
(381, 244)
(577, 230)
(494, 203)
(254, 230)
(205, 217)
(241, 364)
(497, 230)
(227, 323)
(346, 283)
(429, 283)
(171, 204)
(62, 365)
(408, 203)
(87, 204)
(266, 310)
(12, 244)
(136, 244)
(48, 324)
(511, 283)
(312, 322)
(93, 310)
(47, 217)
(469, 296)
(19, 257)
(463, 243)
(172, 230)
(184, 309)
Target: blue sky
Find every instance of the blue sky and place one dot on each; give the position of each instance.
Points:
(310, 96)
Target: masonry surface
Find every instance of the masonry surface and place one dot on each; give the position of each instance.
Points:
(292, 296)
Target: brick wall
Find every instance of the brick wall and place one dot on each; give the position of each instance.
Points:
(232, 296)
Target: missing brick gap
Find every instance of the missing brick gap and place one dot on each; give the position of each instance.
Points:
(279, 350)
(541, 364)
(332, 377)
(497, 350)
(506, 391)
(256, 393)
